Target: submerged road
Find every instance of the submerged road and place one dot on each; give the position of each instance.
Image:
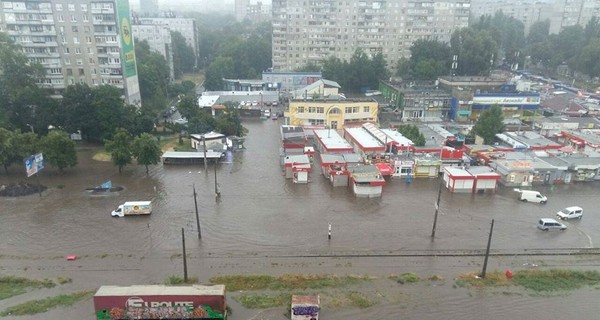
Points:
(266, 224)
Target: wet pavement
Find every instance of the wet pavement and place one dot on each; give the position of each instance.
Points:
(266, 224)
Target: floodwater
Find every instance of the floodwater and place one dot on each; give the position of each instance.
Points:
(264, 223)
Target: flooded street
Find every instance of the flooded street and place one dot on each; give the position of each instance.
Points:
(266, 224)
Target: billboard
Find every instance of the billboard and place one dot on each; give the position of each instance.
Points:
(127, 48)
(34, 164)
(512, 100)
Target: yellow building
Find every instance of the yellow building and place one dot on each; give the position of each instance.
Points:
(331, 113)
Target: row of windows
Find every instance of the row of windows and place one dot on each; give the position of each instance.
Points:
(333, 110)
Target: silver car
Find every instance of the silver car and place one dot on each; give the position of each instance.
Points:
(546, 224)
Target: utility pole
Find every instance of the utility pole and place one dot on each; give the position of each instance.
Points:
(185, 274)
(204, 148)
(437, 209)
(197, 218)
(217, 193)
(487, 250)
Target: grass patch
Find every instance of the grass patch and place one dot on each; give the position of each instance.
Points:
(286, 281)
(556, 280)
(405, 277)
(185, 146)
(174, 280)
(264, 301)
(61, 280)
(11, 286)
(359, 300)
(40, 306)
(536, 280)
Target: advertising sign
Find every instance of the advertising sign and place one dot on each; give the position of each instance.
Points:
(126, 38)
(531, 100)
(34, 164)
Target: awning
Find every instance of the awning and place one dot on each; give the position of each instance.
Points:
(384, 168)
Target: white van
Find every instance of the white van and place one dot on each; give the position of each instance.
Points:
(531, 196)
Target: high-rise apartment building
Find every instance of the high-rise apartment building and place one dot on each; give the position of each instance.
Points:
(159, 40)
(312, 31)
(560, 13)
(185, 26)
(88, 41)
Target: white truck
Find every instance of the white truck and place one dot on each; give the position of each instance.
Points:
(131, 208)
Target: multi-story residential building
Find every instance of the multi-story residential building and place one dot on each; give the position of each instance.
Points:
(85, 42)
(312, 31)
(187, 28)
(560, 13)
(159, 40)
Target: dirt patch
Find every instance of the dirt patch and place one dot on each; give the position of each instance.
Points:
(20, 189)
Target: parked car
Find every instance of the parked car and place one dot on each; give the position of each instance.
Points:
(570, 213)
(274, 116)
(546, 224)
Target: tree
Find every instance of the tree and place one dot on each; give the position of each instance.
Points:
(154, 76)
(229, 123)
(6, 149)
(489, 123)
(184, 59)
(188, 107)
(146, 150)
(412, 132)
(475, 49)
(429, 59)
(120, 148)
(221, 68)
(59, 150)
(16, 146)
(20, 96)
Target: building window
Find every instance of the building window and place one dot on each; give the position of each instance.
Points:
(366, 109)
(84, 7)
(81, 72)
(66, 50)
(74, 29)
(61, 18)
(75, 39)
(69, 72)
(79, 62)
(71, 7)
(335, 111)
(67, 61)
(78, 50)
(58, 7)
(300, 109)
(73, 18)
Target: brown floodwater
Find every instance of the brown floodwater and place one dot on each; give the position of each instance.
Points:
(266, 224)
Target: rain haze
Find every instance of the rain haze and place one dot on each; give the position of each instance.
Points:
(225, 6)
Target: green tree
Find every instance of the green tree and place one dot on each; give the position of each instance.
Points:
(429, 59)
(24, 145)
(7, 153)
(154, 77)
(184, 59)
(20, 97)
(188, 107)
(219, 69)
(229, 123)
(489, 123)
(146, 150)
(79, 112)
(59, 150)
(475, 49)
(412, 132)
(120, 148)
